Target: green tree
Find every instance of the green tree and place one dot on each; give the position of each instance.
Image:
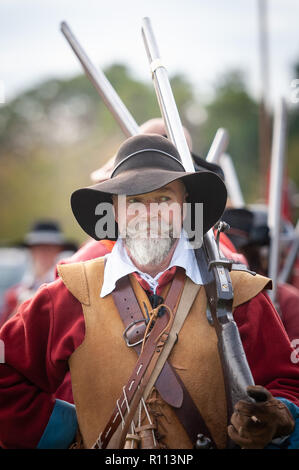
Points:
(54, 135)
(234, 109)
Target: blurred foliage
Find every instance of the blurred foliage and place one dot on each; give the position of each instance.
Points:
(233, 109)
(54, 135)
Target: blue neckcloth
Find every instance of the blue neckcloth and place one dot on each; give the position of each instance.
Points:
(61, 428)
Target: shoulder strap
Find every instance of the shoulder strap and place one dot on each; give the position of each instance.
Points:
(109, 437)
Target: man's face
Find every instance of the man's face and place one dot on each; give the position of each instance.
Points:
(44, 257)
(151, 223)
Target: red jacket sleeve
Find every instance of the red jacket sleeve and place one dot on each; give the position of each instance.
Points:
(10, 304)
(37, 349)
(288, 299)
(268, 349)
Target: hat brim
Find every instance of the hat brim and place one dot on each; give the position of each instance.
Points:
(65, 246)
(203, 187)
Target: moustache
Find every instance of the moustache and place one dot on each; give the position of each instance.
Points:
(155, 228)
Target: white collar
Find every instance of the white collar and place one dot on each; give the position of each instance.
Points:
(118, 264)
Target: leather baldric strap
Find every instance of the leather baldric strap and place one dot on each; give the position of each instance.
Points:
(146, 362)
(169, 384)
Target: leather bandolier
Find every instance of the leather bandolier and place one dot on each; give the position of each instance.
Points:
(102, 364)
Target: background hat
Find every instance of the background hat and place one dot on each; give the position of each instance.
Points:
(260, 231)
(201, 164)
(47, 232)
(143, 164)
(240, 222)
(157, 126)
(259, 234)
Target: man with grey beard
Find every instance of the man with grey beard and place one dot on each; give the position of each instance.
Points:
(151, 236)
(107, 320)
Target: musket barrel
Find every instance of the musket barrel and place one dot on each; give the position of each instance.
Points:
(169, 109)
(165, 97)
(102, 85)
(275, 192)
(232, 183)
(218, 146)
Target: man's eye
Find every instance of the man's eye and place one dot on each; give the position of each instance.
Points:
(164, 198)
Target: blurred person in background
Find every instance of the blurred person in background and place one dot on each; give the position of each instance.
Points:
(46, 244)
(54, 329)
(249, 232)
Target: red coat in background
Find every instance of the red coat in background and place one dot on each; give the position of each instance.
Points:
(288, 300)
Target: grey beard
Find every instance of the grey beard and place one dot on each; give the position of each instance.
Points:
(149, 251)
(149, 248)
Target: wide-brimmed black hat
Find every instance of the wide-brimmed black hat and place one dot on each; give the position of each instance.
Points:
(47, 232)
(145, 163)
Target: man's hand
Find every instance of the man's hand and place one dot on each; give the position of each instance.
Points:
(255, 424)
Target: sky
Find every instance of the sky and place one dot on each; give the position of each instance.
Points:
(199, 38)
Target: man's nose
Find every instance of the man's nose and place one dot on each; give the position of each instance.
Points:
(147, 205)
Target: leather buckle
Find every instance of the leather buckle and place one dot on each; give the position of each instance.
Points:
(133, 331)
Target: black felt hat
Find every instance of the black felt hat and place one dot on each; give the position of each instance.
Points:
(47, 232)
(145, 163)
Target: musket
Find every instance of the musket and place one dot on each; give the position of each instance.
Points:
(218, 146)
(114, 103)
(232, 183)
(275, 192)
(235, 353)
(214, 268)
(217, 155)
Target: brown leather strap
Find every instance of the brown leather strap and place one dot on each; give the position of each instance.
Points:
(146, 361)
(169, 384)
